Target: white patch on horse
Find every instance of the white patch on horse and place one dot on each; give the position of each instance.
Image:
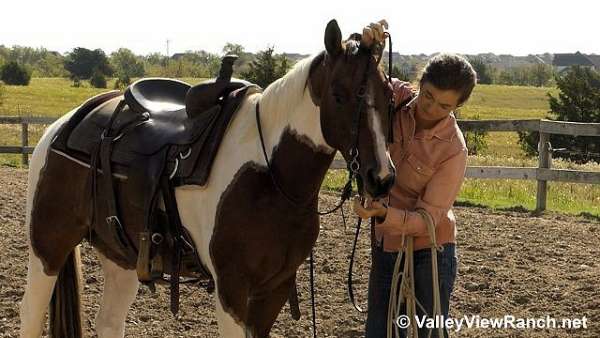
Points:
(119, 291)
(285, 104)
(376, 128)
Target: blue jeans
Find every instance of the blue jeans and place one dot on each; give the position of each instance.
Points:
(380, 280)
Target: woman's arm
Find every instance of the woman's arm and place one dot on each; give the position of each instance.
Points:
(402, 91)
(439, 196)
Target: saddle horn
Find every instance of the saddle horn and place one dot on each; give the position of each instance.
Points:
(206, 95)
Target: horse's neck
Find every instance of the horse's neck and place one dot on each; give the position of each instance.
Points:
(292, 133)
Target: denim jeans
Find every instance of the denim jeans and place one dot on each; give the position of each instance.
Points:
(380, 280)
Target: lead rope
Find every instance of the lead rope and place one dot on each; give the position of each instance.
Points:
(403, 285)
(312, 293)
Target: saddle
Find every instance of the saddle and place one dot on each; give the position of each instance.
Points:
(157, 135)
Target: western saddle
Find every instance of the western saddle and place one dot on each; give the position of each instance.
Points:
(157, 135)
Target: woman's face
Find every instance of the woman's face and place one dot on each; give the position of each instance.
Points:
(434, 104)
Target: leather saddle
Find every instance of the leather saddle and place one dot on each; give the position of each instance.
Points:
(159, 134)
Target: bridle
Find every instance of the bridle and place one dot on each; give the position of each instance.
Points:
(352, 163)
(352, 167)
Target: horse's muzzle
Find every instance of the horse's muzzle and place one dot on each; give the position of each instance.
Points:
(378, 187)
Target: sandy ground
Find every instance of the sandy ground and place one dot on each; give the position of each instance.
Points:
(510, 263)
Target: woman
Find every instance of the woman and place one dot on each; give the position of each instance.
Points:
(430, 156)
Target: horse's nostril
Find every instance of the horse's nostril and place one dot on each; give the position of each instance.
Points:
(388, 181)
(372, 176)
(379, 186)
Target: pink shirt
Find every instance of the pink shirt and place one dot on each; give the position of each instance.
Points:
(430, 167)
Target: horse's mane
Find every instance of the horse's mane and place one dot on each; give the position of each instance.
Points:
(292, 85)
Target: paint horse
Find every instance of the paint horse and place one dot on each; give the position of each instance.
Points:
(250, 238)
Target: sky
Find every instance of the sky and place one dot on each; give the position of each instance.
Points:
(517, 27)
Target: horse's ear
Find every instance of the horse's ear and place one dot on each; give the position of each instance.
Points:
(333, 38)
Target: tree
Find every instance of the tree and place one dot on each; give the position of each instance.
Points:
(541, 74)
(233, 48)
(578, 101)
(50, 66)
(1, 93)
(98, 80)
(126, 65)
(82, 63)
(12, 73)
(483, 69)
(402, 74)
(266, 67)
(476, 140)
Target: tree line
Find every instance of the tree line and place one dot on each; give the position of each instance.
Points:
(19, 64)
(538, 75)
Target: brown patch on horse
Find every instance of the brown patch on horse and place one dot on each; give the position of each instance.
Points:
(260, 237)
(61, 215)
(59, 218)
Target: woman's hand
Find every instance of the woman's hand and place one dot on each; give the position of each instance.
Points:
(375, 33)
(373, 209)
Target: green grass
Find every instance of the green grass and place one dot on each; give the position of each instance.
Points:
(492, 102)
(54, 97)
(51, 97)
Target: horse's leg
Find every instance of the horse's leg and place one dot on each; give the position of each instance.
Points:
(120, 289)
(230, 316)
(36, 298)
(263, 311)
(229, 326)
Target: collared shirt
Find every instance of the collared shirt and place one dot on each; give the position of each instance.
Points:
(430, 167)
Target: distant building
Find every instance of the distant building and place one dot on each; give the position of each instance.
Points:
(563, 61)
(178, 56)
(595, 60)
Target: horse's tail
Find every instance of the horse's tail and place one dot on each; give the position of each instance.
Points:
(65, 306)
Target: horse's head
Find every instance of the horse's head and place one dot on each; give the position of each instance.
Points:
(354, 96)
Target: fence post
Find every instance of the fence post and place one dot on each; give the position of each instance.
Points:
(24, 143)
(544, 162)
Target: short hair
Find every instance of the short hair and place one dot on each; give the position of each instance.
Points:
(450, 72)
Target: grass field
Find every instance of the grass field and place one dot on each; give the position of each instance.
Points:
(54, 97)
(492, 102)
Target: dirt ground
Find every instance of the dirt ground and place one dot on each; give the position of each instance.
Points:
(510, 263)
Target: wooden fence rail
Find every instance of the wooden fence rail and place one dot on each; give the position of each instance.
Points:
(24, 121)
(542, 173)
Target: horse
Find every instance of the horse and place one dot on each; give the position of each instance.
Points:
(248, 234)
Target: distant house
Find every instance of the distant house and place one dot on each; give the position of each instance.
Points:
(563, 61)
(595, 60)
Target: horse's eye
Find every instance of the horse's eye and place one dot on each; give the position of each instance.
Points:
(338, 95)
(338, 99)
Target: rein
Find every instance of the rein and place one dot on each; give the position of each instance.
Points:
(390, 139)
